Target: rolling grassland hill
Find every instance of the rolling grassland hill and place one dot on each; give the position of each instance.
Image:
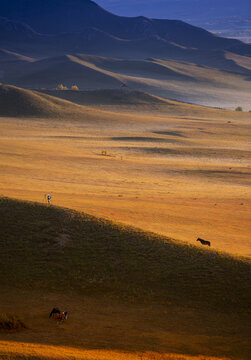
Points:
(91, 255)
(67, 69)
(169, 79)
(96, 108)
(22, 103)
(99, 107)
(135, 101)
(92, 71)
(17, 102)
(125, 289)
(110, 97)
(228, 61)
(128, 101)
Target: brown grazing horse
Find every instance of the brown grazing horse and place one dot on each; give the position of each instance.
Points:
(61, 317)
(204, 242)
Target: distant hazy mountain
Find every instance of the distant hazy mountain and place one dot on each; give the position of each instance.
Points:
(54, 27)
(199, 10)
(230, 18)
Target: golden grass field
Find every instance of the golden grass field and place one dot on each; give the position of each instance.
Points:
(176, 169)
(185, 174)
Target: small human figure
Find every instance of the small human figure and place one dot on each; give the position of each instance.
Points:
(49, 199)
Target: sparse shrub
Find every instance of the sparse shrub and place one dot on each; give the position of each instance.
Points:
(75, 87)
(11, 322)
(239, 108)
(104, 152)
(61, 87)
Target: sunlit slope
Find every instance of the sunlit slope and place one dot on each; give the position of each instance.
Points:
(242, 61)
(42, 246)
(29, 351)
(154, 66)
(10, 56)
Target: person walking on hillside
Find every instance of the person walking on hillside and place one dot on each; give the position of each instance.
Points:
(49, 199)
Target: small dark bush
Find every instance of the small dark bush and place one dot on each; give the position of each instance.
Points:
(239, 108)
(11, 322)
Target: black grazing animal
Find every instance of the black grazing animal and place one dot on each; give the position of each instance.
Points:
(204, 242)
(54, 311)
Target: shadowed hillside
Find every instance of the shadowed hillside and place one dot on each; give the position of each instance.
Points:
(41, 245)
(66, 69)
(109, 97)
(91, 72)
(10, 61)
(125, 289)
(17, 102)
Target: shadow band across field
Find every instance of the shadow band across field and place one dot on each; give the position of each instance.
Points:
(103, 257)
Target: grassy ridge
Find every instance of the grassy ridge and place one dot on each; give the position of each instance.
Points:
(41, 246)
(17, 102)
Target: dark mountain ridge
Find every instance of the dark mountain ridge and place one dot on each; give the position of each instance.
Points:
(49, 28)
(182, 9)
(75, 16)
(15, 31)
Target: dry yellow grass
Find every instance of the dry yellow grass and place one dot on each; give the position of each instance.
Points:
(184, 176)
(13, 350)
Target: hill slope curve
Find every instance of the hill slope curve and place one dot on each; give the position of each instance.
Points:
(95, 256)
(18, 102)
